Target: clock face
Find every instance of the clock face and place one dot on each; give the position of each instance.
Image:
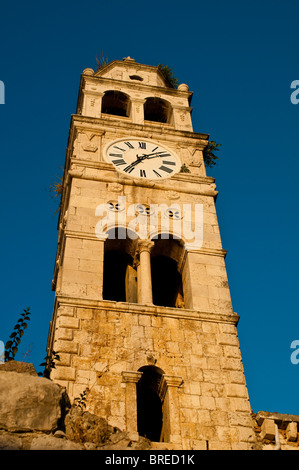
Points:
(142, 159)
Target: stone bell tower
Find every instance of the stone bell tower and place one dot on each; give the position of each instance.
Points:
(143, 317)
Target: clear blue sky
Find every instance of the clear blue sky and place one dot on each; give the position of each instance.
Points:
(239, 59)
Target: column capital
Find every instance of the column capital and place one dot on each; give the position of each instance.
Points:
(145, 245)
(138, 100)
(93, 93)
(131, 376)
(169, 381)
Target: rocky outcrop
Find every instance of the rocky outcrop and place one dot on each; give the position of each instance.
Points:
(30, 403)
(35, 414)
(95, 433)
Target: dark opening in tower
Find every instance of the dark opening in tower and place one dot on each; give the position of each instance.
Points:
(167, 283)
(120, 277)
(158, 110)
(115, 267)
(149, 406)
(116, 103)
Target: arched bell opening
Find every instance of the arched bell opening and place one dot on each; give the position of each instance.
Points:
(120, 275)
(116, 103)
(167, 281)
(157, 110)
(149, 405)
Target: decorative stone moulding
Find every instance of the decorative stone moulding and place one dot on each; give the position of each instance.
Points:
(88, 71)
(183, 87)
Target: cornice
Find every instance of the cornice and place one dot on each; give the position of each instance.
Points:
(129, 308)
(120, 179)
(130, 85)
(151, 129)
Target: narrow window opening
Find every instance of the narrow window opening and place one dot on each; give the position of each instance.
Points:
(149, 405)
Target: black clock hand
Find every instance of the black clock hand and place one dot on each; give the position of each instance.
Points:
(132, 165)
(146, 156)
(150, 154)
(155, 156)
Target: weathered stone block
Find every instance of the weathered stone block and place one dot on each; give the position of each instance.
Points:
(65, 373)
(29, 403)
(66, 346)
(268, 429)
(65, 333)
(45, 442)
(292, 432)
(68, 322)
(236, 390)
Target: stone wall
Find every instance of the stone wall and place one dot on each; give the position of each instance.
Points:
(209, 399)
(36, 414)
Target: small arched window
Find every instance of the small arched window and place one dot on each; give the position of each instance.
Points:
(116, 103)
(149, 405)
(158, 110)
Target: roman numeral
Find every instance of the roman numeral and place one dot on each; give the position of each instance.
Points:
(142, 173)
(154, 149)
(118, 162)
(166, 162)
(115, 154)
(118, 148)
(156, 173)
(165, 168)
(142, 145)
(129, 145)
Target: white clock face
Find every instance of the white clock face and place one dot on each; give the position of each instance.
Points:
(142, 159)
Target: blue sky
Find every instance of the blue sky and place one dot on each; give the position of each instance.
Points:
(239, 59)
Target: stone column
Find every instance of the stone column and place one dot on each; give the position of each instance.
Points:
(102, 237)
(168, 393)
(144, 272)
(137, 111)
(136, 266)
(182, 118)
(130, 380)
(92, 103)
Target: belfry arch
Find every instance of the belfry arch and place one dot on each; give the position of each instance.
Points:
(166, 268)
(116, 103)
(119, 274)
(157, 110)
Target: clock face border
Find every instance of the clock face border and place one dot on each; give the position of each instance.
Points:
(166, 174)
